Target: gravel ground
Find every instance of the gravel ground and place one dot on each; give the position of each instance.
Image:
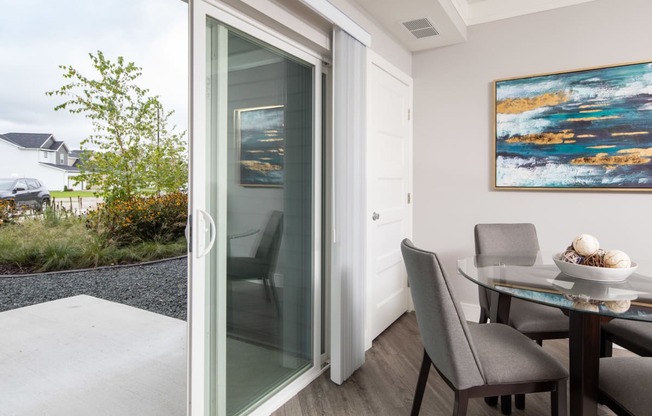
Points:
(159, 287)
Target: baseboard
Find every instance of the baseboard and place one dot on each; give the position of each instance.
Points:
(471, 311)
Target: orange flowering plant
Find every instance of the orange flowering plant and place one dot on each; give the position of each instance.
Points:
(155, 218)
(7, 210)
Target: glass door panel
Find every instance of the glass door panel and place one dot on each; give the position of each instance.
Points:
(259, 154)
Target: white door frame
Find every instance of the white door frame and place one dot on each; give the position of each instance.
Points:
(374, 59)
(206, 326)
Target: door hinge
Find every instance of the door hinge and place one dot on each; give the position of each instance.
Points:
(409, 198)
(409, 114)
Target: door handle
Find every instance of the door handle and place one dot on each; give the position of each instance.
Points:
(203, 218)
(375, 216)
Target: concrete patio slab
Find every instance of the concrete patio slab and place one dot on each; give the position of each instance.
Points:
(87, 356)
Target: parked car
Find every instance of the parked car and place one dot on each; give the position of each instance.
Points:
(27, 192)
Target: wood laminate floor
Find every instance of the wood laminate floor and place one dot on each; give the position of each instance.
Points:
(385, 383)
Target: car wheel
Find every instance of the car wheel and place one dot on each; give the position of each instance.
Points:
(44, 203)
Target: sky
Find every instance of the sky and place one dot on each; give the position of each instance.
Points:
(36, 36)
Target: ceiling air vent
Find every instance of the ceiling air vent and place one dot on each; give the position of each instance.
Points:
(421, 28)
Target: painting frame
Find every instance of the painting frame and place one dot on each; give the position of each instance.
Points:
(578, 130)
(260, 146)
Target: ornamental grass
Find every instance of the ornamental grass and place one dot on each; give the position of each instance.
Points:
(143, 229)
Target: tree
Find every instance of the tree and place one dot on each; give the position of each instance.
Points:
(166, 155)
(136, 149)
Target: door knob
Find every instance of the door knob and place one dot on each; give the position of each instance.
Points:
(375, 216)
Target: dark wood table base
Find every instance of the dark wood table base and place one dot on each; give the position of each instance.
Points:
(584, 355)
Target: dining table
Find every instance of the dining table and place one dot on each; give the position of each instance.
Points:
(588, 302)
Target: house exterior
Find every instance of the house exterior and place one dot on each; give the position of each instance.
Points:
(37, 155)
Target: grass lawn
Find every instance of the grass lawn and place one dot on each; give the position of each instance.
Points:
(72, 194)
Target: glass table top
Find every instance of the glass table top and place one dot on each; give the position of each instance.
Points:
(536, 278)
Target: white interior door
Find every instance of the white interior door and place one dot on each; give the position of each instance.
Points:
(389, 139)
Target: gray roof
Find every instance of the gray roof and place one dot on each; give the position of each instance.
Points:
(27, 140)
(62, 167)
(56, 145)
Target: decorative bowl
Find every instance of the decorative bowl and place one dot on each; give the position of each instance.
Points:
(590, 291)
(599, 274)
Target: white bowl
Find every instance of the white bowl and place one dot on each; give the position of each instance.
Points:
(587, 289)
(600, 274)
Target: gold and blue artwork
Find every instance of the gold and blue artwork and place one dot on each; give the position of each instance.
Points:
(581, 130)
(260, 136)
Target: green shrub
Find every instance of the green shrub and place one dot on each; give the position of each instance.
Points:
(157, 218)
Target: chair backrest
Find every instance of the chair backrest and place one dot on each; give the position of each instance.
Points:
(516, 239)
(443, 328)
(270, 242)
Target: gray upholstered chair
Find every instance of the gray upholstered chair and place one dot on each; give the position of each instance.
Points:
(474, 360)
(263, 265)
(635, 336)
(537, 321)
(624, 385)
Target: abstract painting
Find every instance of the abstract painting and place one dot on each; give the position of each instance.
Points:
(260, 137)
(589, 129)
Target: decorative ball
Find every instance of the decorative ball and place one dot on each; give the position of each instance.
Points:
(618, 306)
(617, 258)
(585, 306)
(586, 244)
(595, 260)
(571, 256)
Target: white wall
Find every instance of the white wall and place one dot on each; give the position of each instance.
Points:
(453, 150)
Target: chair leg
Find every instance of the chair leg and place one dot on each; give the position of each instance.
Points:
(491, 401)
(519, 401)
(461, 403)
(267, 287)
(558, 399)
(506, 405)
(421, 384)
(484, 318)
(606, 346)
(272, 288)
(229, 303)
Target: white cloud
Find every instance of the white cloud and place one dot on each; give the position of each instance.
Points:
(36, 36)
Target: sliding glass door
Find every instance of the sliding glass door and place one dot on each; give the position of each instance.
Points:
(255, 288)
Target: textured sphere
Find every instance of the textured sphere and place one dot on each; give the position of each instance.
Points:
(571, 256)
(617, 258)
(618, 306)
(586, 245)
(585, 306)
